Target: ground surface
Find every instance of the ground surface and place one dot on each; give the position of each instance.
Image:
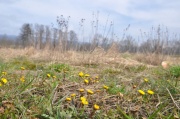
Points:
(40, 84)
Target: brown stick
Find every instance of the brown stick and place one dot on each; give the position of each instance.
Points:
(173, 99)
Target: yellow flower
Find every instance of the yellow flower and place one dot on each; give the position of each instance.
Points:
(48, 75)
(54, 77)
(22, 68)
(105, 87)
(96, 107)
(141, 92)
(83, 98)
(86, 81)
(81, 90)
(84, 102)
(22, 79)
(90, 91)
(68, 99)
(4, 80)
(146, 80)
(73, 95)
(4, 73)
(81, 74)
(150, 92)
(86, 75)
(1, 84)
(96, 77)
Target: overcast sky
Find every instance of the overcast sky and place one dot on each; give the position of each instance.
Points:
(140, 14)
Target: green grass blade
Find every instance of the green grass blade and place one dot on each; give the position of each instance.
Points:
(123, 113)
(158, 110)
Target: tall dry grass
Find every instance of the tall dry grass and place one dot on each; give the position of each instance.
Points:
(97, 56)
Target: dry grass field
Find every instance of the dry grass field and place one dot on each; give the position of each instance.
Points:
(45, 84)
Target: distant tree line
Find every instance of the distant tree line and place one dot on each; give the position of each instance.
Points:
(158, 40)
(6, 41)
(45, 37)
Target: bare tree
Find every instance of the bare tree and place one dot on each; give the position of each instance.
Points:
(55, 32)
(39, 36)
(25, 34)
(128, 44)
(63, 25)
(73, 40)
(48, 38)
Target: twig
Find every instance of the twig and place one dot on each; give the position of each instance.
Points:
(173, 99)
(159, 101)
(54, 95)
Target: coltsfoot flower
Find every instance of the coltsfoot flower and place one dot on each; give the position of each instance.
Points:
(22, 79)
(22, 68)
(90, 91)
(86, 81)
(81, 90)
(84, 101)
(86, 75)
(4, 73)
(48, 75)
(141, 92)
(146, 80)
(68, 99)
(82, 98)
(4, 80)
(105, 87)
(81, 74)
(150, 92)
(96, 107)
(73, 95)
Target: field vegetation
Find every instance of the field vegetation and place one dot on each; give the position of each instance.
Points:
(44, 88)
(54, 74)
